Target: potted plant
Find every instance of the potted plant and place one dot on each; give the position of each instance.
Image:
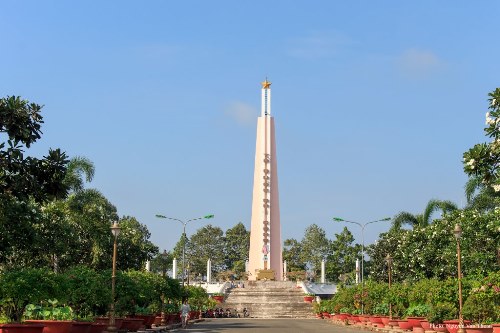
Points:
(18, 288)
(88, 294)
(355, 316)
(405, 325)
(56, 318)
(317, 309)
(197, 298)
(440, 312)
(219, 297)
(323, 307)
(344, 315)
(416, 313)
(481, 310)
(171, 310)
(132, 324)
(145, 314)
(309, 297)
(381, 313)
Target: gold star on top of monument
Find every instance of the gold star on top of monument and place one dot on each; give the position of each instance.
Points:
(266, 84)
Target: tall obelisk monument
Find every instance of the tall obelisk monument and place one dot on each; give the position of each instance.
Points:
(265, 258)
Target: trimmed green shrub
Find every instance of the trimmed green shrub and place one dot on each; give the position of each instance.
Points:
(22, 287)
(89, 293)
(442, 311)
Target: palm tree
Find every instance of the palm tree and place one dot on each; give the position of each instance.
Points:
(479, 196)
(78, 168)
(423, 220)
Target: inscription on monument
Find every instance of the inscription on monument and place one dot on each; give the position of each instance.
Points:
(266, 184)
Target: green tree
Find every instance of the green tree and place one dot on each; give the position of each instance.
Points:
(182, 243)
(162, 262)
(88, 291)
(292, 250)
(25, 182)
(56, 236)
(483, 160)
(342, 259)
(315, 247)
(91, 215)
(430, 252)
(18, 238)
(28, 177)
(135, 247)
(206, 243)
(479, 196)
(198, 297)
(424, 219)
(80, 169)
(237, 244)
(20, 287)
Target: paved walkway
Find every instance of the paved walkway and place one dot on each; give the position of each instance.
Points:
(224, 325)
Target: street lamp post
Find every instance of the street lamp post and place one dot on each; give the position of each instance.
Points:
(388, 259)
(164, 257)
(458, 233)
(338, 219)
(115, 230)
(184, 223)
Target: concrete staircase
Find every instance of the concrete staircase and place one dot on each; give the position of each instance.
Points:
(269, 299)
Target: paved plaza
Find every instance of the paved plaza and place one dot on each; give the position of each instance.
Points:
(267, 325)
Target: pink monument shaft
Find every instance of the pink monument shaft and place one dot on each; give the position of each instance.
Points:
(265, 232)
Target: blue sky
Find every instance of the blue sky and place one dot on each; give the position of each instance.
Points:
(374, 101)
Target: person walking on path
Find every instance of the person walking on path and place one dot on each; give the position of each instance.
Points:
(185, 308)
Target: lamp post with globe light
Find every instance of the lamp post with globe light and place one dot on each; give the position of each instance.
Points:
(164, 257)
(115, 230)
(458, 234)
(389, 261)
(338, 219)
(184, 223)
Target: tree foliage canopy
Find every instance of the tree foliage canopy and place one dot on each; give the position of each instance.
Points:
(47, 217)
(424, 219)
(483, 159)
(430, 252)
(28, 177)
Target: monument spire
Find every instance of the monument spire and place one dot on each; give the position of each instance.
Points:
(265, 257)
(266, 98)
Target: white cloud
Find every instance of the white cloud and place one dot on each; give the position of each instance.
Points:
(242, 113)
(317, 45)
(417, 63)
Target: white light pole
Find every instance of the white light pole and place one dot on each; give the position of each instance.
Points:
(164, 257)
(209, 271)
(338, 219)
(184, 223)
(323, 280)
(357, 271)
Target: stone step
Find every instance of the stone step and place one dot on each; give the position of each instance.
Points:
(267, 290)
(268, 295)
(263, 294)
(269, 299)
(272, 302)
(270, 284)
(261, 304)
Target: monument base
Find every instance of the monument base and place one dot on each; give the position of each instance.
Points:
(270, 299)
(265, 274)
